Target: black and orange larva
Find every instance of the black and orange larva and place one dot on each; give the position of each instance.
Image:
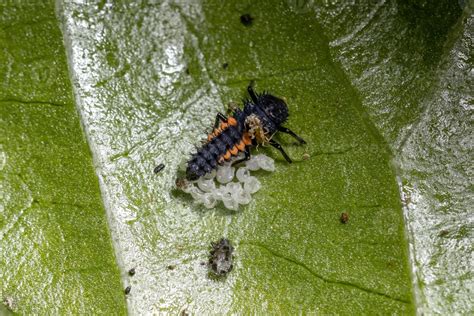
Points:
(256, 124)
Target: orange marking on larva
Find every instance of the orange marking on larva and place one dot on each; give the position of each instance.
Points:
(234, 151)
(215, 133)
(246, 139)
(241, 145)
(227, 155)
(223, 126)
(210, 137)
(232, 121)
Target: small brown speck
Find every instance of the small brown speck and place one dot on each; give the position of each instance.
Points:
(181, 183)
(305, 156)
(128, 289)
(131, 272)
(443, 233)
(171, 267)
(225, 65)
(344, 217)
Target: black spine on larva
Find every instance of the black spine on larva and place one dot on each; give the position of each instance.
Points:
(274, 107)
(206, 158)
(271, 111)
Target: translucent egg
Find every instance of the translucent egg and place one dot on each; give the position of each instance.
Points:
(206, 185)
(252, 164)
(226, 185)
(252, 185)
(231, 204)
(225, 174)
(266, 163)
(209, 200)
(242, 174)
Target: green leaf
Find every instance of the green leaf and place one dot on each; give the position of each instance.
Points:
(56, 251)
(149, 90)
(366, 86)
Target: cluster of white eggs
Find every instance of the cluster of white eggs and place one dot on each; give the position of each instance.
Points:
(219, 185)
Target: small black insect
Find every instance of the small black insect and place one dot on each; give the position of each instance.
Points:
(246, 19)
(131, 272)
(159, 168)
(256, 124)
(128, 289)
(225, 65)
(220, 260)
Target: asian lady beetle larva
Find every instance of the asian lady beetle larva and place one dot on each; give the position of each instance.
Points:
(256, 124)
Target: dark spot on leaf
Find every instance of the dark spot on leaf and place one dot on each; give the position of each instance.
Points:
(128, 289)
(443, 233)
(246, 19)
(131, 272)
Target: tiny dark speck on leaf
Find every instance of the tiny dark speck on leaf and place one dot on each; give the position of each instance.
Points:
(443, 233)
(131, 272)
(246, 19)
(225, 65)
(128, 289)
(159, 168)
(344, 217)
(170, 267)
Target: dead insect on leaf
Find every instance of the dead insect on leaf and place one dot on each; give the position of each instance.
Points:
(220, 260)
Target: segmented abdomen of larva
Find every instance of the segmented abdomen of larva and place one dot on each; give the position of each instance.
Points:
(227, 143)
(231, 121)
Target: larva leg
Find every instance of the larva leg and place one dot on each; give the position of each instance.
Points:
(278, 146)
(288, 131)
